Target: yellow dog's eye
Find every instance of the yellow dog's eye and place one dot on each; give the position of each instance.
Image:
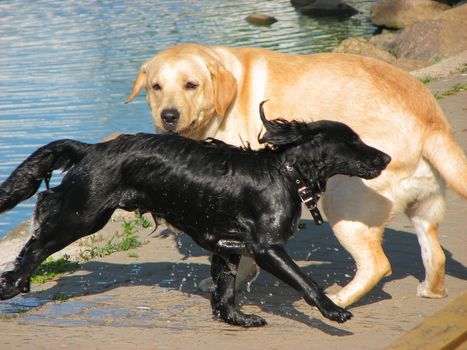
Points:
(190, 85)
(156, 86)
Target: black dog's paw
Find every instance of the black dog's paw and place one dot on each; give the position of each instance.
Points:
(8, 288)
(252, 321)
(334, 312)
(238, 318)
(24, 285)
(339, 315)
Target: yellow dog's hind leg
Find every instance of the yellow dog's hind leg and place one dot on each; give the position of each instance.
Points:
(425, 216)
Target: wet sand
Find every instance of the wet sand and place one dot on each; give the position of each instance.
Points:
(152, 301)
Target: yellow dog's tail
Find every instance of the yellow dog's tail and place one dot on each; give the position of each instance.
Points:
(445, 154)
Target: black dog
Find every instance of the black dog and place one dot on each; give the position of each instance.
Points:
(231, 201)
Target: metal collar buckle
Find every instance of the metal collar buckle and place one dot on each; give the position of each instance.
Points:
(307, 196)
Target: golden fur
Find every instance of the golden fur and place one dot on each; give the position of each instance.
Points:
(387, 107)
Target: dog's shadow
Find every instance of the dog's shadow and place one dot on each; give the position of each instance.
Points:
(328, 264)
(331, 264)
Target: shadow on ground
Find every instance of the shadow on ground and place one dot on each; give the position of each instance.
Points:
(315, 248)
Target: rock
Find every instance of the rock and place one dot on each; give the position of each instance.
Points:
(334, 8)
(362, 47)
(449, 66)
(409, 65)
(402, 13)
(385, 40)
(452, 2)
(434, 39)
(261, 19)
(419, 45)
(458, 13)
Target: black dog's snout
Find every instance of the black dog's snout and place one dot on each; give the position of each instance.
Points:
(383, 160)
(386, 158)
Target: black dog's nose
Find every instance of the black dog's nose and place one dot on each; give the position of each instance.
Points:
(383, 160)
(170, 116)
(386, 158)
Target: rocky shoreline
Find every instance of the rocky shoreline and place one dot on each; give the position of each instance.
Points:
(419, 36)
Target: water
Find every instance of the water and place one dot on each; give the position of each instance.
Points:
(67, 66)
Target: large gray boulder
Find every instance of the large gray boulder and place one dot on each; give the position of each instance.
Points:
(360, 46)
(398, 14)
(419, 45)
(434, 39)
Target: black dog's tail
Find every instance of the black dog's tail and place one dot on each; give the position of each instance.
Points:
(27, 177)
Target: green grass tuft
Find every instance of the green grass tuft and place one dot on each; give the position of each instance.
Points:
(118, 243)
(452, 91)
(141, 220)
(53, 268)
(427, 80)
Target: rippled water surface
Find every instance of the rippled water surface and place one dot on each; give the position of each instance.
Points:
(66, 66)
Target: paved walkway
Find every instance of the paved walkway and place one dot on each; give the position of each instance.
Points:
(152, 301)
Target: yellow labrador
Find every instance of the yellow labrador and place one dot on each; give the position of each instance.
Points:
(201, 91)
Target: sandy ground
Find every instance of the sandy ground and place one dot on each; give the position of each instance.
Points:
(152, 301)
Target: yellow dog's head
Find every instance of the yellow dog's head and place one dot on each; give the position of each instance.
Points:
(186, 87)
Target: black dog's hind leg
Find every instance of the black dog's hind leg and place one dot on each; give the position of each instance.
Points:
(276, 261)
(53, 230)
(223, 298)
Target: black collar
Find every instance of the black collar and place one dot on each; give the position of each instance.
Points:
(308, 196)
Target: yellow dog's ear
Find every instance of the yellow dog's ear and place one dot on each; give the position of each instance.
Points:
(225, 88)
(138, 84)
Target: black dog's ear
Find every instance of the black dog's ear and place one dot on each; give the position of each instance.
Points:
(281, 132)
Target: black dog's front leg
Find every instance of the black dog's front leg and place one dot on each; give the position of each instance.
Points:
(276, 261)
(223, 298)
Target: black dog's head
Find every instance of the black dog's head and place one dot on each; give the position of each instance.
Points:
(325, 146)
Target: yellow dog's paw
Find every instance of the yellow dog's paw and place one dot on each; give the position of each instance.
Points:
(425, 292)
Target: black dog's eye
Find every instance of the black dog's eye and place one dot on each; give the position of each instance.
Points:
(156, 86)
(190, 85)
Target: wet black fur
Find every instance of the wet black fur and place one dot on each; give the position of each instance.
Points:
(231, 201)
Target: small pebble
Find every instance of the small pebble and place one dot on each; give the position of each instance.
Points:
(261, 19)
